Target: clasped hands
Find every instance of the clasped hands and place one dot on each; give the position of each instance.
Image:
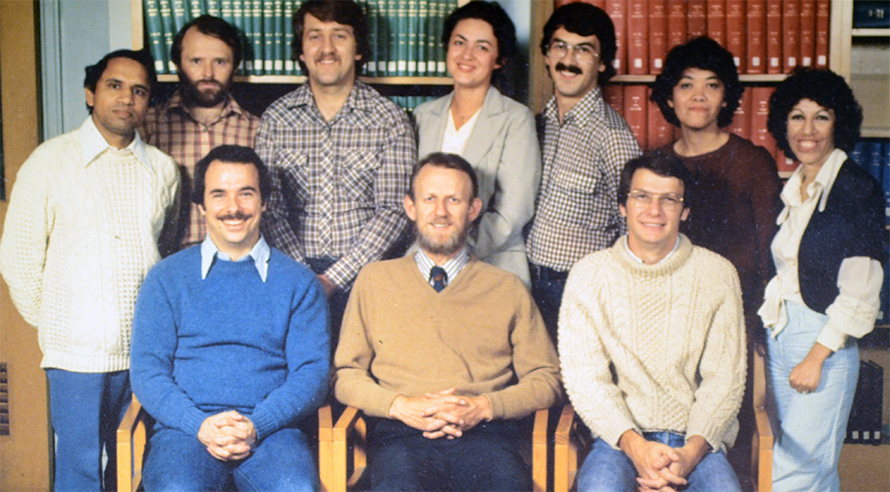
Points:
(229, 436)
(441, 414)
(660, 467)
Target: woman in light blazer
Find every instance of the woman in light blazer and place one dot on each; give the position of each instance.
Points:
(493, 132)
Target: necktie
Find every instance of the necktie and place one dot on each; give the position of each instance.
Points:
(439, 278)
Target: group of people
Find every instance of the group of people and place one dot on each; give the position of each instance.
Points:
(291, 273)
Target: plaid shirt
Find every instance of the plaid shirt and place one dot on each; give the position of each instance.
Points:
(170, 128)
(577, 207)
(338, 187)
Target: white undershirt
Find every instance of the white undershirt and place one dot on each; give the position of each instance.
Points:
(455, 141)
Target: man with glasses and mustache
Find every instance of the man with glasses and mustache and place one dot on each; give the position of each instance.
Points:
(652, 345)
(201, 114)
(584, 144)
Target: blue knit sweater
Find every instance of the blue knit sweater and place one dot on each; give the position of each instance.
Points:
(230, 342)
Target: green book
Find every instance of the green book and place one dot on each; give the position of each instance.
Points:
(166, 10)
(196, 9)
(422, 35)
(278, 50)
(155, 33)
(413, 28)
(269, 32)
(392, 18)
(212, 7)
(382, 37)
(257, 38)
(290, 66)
(402, 34)
(180, 15)
(370, 7)
(238, 20)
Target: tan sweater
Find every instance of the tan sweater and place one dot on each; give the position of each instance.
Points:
(482, 335)
(674, 335)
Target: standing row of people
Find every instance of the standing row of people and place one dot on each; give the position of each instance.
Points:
(232, 339)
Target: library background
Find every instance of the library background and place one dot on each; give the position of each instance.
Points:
(767, 37)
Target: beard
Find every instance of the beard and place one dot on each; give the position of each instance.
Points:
(446, 247)
(206, 98)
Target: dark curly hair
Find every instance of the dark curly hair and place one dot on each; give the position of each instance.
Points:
(231, 154)
(828, 90)
(585, 19)
(93, 73)
(705, 54)
(345, 12)
(497, 18)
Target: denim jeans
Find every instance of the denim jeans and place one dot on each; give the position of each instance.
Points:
(86, 409)
(610, 470)
(179, 462)
(547, 288)
(811, 426)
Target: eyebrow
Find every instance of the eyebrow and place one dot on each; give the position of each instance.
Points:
(477, 41)
(585, 43)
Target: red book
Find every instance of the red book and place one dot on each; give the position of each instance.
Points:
(658, 29)
(807, 32)
(774, 36)
(676, 33)
(696, 18)
(790, 34)
(613, 94)
(617, 11)
(756, 36)
(599, 3)
(741, 119)
(785, 164)
(635, 111)
(638, 37)
(659, 131)
(717, 21)
(823, 24)
(759, 116)
(736, 34)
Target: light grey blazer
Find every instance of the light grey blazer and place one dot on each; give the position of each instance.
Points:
(504, 151)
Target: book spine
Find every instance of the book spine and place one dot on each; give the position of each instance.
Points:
(717, 21)
(413, 27)
(774, 36)
(872, 14)
(791, 34)
(392, 45)
(635, 112)
(659, 132)
(658, 32)
(448, 7)
(166, 12)
(757, 37)
(196, 9)
(886, 181)
(155, 30)
(422, 35)
(613, 95)
(741, 118)
(269, 33)
(677, 32)
(402, 34)
(257, 39)
(759, 116)
(372, 14)
(807, 32)
(180, 15)
(697, 18)
(290, 66)
(213, 8)
(736, 33)
(823, 25)
(238, 21)
(617, 10)
(638, 37)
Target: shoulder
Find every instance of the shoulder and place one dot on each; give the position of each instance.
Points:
(430, 108)
(176, 265)
(291, 268)
(57, 154)
(378, 107)
(589, 268)
(852, 176)
(280, 106)
(749, 150)
(708, 261)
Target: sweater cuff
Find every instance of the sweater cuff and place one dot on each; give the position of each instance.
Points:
(831, 337)
(710, 431)
(612, 431)
(192, 421)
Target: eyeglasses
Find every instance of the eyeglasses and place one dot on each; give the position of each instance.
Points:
(584, 53)
(670, 202)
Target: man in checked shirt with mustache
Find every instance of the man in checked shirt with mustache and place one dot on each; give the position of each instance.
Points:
(340, 155)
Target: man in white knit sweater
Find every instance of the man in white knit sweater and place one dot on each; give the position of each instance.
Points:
(83, 227)
(652, 345)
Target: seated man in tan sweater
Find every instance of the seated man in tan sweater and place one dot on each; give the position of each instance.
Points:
(443, 351)
(652, 345)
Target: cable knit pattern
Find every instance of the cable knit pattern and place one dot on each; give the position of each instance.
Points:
(79, 238)
(674, 335)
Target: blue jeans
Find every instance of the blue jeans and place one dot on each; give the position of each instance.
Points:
(547, 288)
(179, 462)
(610, 470)
(485, 458)
(812, 427)
(86, 409)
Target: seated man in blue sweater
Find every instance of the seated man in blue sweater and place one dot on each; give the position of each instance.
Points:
(230, 346)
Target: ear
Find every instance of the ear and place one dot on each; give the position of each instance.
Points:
(409, 208)
(670, 103)
(475, 208)
(358, 56)
(684, 214)
(204, 212)
(90, 97)
(623, 210)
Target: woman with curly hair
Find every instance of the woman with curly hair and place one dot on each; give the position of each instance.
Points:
(828, 255)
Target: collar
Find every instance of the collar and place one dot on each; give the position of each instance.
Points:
(582, 110)
(639, 260)
(175, 104)
(819, 189)
(92, 143)
(359, 98)
(260, 255)
(452, 267)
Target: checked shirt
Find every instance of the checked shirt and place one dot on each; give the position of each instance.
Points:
(337, 187)
(577, 208)
(170, 128)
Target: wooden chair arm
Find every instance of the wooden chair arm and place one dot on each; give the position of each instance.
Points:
(131, 439)
(539, 451)
(565, 454)
(762, 446)
(351, 422)
(325, 448)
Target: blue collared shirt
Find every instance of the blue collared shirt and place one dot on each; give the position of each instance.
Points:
(452, 267)
(259, 254)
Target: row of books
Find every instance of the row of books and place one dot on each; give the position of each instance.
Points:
(871, 14)
(403, 34)
(764, 36)
(408, 103)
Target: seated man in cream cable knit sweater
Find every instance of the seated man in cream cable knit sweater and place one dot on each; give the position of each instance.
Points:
(444, 350)
(652, 345)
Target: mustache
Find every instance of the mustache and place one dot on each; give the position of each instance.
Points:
(560, 66)
(235, 216)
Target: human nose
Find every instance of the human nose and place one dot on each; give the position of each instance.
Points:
(655, 207)
(440, 209)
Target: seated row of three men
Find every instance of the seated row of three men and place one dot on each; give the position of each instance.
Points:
(441, 351)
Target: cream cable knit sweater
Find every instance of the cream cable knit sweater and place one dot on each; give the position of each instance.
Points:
(78, 240)
(674, 335)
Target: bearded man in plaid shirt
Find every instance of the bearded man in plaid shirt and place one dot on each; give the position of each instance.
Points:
(340, 155)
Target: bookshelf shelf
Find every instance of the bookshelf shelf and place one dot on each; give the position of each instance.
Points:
(870, 33)
(745, 78)
(299, 79)
(868, 132)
